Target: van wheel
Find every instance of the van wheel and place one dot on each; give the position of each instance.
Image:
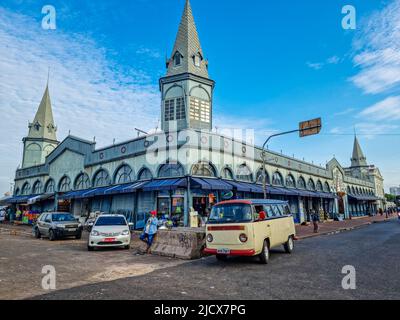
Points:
(264, 255)
(221, 257)
(78, 236)
(289, 245)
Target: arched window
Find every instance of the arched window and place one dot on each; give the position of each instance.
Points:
(169, 170)
(65, 184)
(327, 188)
(124, 174)
(244, 173)
(301, 183)
(348, 190)
(82, 182)
(145, 174)
(290, 182)
(277, 179)
(227, 174)
(26, 189)
(37, 187)
(50, 186)
(319, 186)
(260, 177)
(101, 179)
(17, 191)
(311, 185)
(353, 190)
(203, 169)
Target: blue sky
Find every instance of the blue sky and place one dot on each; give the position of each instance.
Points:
(275, 63)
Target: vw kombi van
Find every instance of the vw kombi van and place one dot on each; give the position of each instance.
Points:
(249, 228)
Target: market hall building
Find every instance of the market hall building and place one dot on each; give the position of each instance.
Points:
(186, 167)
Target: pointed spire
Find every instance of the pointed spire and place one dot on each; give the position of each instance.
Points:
(43, 125)
(188, 48)
(358, 159)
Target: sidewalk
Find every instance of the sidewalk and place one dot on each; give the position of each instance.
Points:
(331, 227)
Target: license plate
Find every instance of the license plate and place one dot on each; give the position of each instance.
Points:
(109, 239)
(71, 230)
(223, 251)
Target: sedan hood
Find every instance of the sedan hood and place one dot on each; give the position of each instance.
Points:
(110, 229)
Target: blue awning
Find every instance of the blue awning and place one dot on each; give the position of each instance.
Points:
(94, 192)
(165, 184)
(240, 186)
(73, 194)
(210, 184)
(133, 187)
(362, 198)
(19, 199)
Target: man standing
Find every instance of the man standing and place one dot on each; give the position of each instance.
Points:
(315, 219)
(150, 230)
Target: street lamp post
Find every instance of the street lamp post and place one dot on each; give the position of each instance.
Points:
(306, 128)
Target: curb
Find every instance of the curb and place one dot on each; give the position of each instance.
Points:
(340, 230)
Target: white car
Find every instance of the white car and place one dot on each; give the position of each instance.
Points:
(110, 230)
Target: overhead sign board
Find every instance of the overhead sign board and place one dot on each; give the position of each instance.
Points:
(310, 127)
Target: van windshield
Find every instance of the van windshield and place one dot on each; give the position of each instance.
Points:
(231, 213)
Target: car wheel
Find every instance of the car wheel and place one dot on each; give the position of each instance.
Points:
(289, 245)
(78, 236)
(127, 247)
(264, 255)
(52, 235)
(37, 233)
(90, 248)
(221, 257)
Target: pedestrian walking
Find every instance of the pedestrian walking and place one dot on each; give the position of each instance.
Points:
(315, 219)
(150, 230)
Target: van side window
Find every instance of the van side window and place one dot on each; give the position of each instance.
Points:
(269, 212)
(286, 210)
(278, 213)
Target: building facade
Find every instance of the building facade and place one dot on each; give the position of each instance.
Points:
(185, 167)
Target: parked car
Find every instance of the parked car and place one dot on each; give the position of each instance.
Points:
(110, 230)
(249, 228)
(56, 225)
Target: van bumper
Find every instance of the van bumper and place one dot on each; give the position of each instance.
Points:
(248, 253)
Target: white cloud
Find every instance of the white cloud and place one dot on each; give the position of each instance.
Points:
(387, 109)
(91, 95)
(320, 65)
(377, 51)
(344, 112)
(315, 65)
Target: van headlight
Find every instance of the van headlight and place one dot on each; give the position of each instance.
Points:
(243, 237)
(95, 233)
(210, 238)
(125, 232)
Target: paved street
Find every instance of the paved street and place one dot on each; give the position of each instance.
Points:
(312, 271)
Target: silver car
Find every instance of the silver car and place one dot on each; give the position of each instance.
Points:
(110, 231)
(55, 225)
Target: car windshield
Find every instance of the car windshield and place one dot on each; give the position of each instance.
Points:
(231, 213)
(111, 221)
(59, 217)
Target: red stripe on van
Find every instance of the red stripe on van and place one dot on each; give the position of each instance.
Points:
(225, 228)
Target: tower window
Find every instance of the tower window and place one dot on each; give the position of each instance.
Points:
(177, 59)
(197, 60)
(169, 110)
(199, 110)
(180, 109)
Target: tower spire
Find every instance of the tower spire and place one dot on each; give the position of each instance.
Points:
(43, 124)
(187, 55)
(358, 159)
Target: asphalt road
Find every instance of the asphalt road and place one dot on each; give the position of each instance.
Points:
(313, 271)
